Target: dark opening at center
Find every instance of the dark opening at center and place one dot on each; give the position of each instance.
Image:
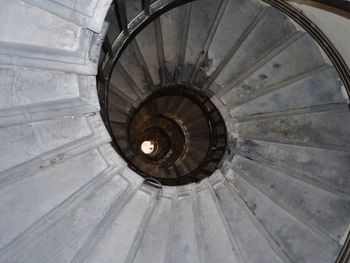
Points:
(175, 135)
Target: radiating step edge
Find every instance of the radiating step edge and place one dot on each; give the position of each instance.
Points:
(98, 137)
(197, 223)
(283, 45)
(83, 60)
(106, 222)
(155, 196)
(56, 213)
(289, 209)
(302, 176)
(232, 238)
(278, 250)
(93, 21)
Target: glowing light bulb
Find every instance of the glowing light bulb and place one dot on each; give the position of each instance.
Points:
(147, 147)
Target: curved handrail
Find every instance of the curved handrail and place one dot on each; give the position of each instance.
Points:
(114, 50)
(338, 62)
(340, 4)
(318, 36)
(152, 11)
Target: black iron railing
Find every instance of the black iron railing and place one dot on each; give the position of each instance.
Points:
(319, 37)
(340, 4)
(113, 48)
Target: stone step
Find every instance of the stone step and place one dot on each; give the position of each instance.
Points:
(46, 41)
(29, 95)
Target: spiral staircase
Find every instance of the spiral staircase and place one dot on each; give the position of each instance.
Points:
(244, 109)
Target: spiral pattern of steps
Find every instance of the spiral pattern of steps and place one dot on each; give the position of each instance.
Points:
(186, 131)
(280, 193)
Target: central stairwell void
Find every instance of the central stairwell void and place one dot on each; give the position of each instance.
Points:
(281, 167)
(184, 132)
(219, 132)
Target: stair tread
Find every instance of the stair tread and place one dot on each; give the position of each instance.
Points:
(274, 98)
(215, 237)
(71, 224)
(264, 207)
(30, 141)
(254, 246)
(310, 202)
(44, 94)
(259, 43)
(284, 66)
(65, 46)
(158, 232)
(80, 12)
(202, 17)
(184, 242)
(235, 12)
(324, 129)
(319, 165)
(148, 46)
